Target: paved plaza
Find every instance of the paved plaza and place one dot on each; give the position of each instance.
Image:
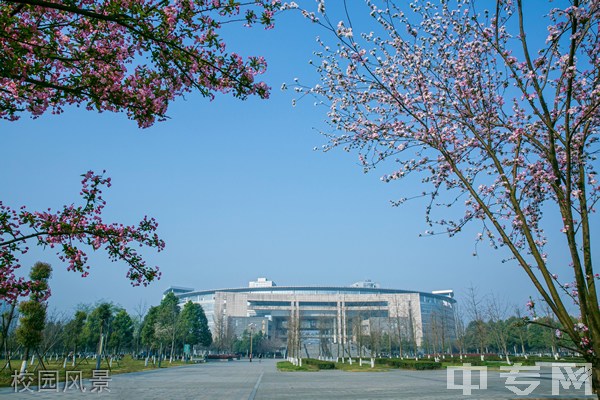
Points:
(241, 380)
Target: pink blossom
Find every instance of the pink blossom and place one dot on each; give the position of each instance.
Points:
(496, 128)
(56, 56)
(67, 230)
(530, 304)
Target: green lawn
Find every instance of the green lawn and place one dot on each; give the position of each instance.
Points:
(366, 367)
(286, 366)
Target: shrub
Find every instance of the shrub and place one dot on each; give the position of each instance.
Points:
(409, 363)
(221, 356)
(319, 363)
(423, 365)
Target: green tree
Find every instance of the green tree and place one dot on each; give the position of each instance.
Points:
(122, 332)
(74, 332)
(193, 325)
(539, 337)
(242, 345)
(33, 311)
(474, 342)
(31, 325)
(98, 328)
(517, 339)
(166, 328)
(147, 334)
(98, 323)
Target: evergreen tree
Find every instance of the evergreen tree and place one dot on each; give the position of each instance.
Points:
(74, 333)
(193, 325)
(98, 323)
(122, 332)
(148, 335)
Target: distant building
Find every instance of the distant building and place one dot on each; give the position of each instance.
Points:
(332, 320)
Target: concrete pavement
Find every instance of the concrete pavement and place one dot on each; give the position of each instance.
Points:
(241, 380)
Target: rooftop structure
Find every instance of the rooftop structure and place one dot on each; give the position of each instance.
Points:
(367, 283)
(261, 282)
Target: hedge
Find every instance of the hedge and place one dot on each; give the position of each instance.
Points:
(221, 356)
(320, 364)
(409, 363)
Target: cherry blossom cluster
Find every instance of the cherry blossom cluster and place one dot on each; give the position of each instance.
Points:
(530, 304)
(67, 231)
(494, 123)
(132, 56)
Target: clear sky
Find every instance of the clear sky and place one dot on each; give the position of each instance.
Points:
(239, 193)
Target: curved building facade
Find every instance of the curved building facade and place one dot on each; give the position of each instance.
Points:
(329, 320)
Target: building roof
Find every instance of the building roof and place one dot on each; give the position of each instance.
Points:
(447, 294)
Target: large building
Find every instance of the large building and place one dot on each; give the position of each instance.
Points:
(330, 321)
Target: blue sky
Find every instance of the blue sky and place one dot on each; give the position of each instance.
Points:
(239, 193)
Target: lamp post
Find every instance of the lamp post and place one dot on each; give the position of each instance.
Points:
(251, 326)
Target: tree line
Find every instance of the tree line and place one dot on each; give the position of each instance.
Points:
(487, 324)
(29, 334)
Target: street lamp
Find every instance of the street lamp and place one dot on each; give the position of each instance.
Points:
(251, 326)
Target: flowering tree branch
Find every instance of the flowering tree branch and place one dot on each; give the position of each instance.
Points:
(462, 97)
(67, 230)
(122, 56)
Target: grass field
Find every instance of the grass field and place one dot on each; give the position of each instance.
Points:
(125, 365)
(286, 366)
(366, 367)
